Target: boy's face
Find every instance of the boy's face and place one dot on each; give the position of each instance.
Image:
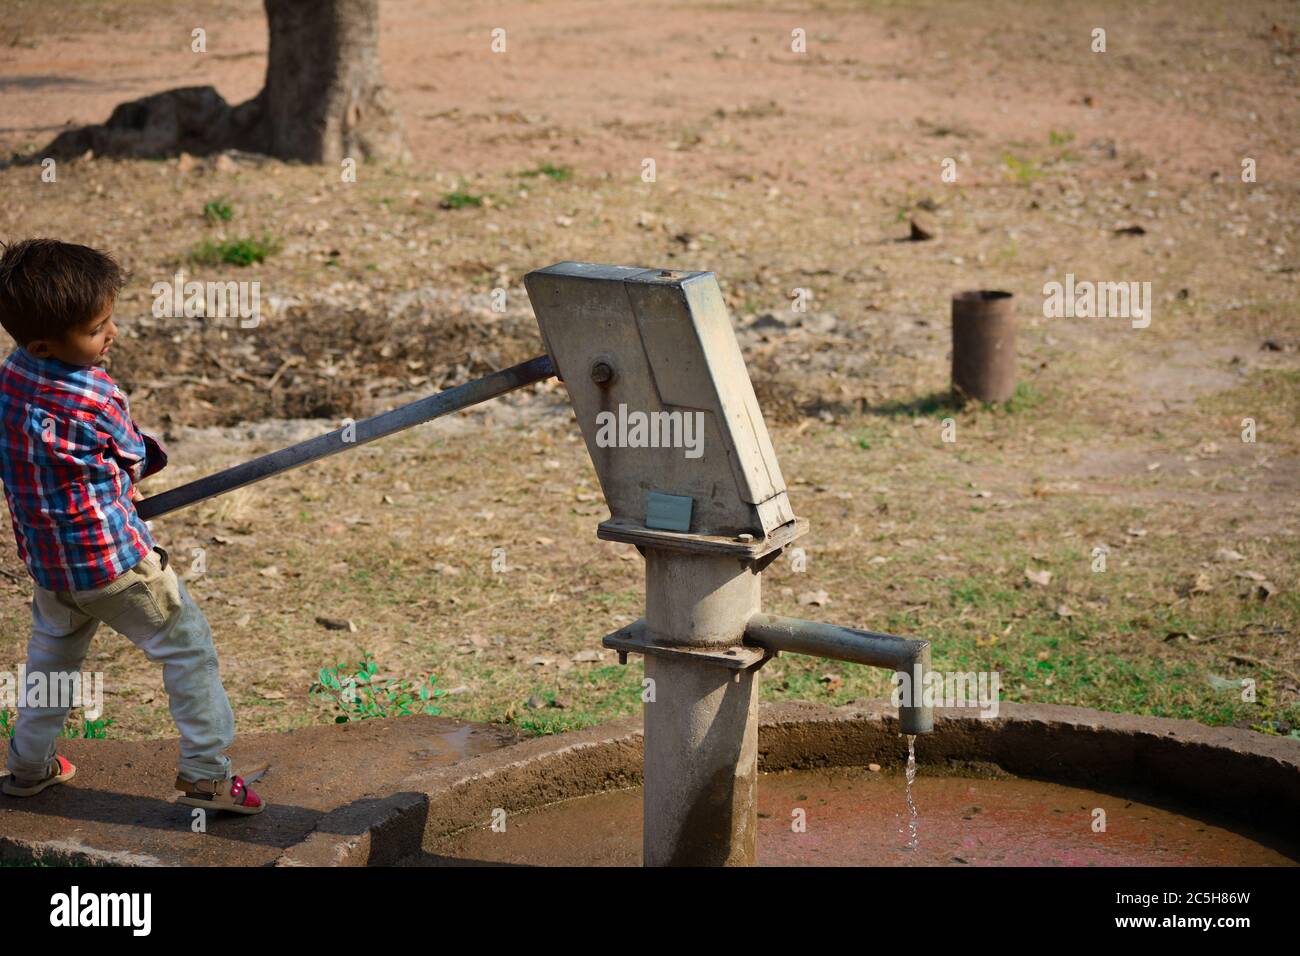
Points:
(82, 345)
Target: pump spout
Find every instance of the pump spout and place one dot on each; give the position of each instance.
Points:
(911, 657)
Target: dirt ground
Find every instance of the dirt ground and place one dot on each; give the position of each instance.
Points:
(778, 171)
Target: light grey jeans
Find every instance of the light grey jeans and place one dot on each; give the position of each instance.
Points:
(151, 608)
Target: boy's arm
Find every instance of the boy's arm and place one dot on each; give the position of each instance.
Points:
(140, 454)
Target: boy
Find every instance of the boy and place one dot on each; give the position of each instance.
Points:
(70, 455)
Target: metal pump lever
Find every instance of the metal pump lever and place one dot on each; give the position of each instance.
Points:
(366, 430)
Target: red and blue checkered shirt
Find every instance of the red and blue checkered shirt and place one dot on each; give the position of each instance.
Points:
(69, 455)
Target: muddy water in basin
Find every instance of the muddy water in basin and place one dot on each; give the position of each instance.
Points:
(858, 818)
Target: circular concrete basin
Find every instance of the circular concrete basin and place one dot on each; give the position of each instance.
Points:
(1037, 785)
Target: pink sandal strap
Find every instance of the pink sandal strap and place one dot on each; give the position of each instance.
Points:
(242, 795)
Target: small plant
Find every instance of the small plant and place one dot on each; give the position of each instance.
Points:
(218, 210)
(1060, 139)
(233, 252)
(560, 174)
(6, 724)
(459, 199)
(96, 729)
(360, 694)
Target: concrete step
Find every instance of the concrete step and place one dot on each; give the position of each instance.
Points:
(120, 809)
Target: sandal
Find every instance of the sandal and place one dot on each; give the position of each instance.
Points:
(60, 770)
(233, 795)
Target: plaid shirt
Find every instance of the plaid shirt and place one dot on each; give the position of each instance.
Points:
(69, 456)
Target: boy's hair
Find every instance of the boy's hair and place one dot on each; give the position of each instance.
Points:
(48, 287)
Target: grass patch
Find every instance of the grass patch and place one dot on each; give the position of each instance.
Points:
(233, 252)
(559, 174)
(1024, 398)
(924, 407)
(603, 693)
(1022, 170)
(460, 199)
(218, 210)
(86, 728)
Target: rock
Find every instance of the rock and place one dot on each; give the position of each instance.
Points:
(819, 323)
(922, 228)
(587, 657)
(1263, 591)
(1227, 554)
(336, 624)
(768, 321)
(1040, 578)
(874, 767)
(535, 703)
(814, 598)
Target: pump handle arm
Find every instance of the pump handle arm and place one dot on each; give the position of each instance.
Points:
(341, 439)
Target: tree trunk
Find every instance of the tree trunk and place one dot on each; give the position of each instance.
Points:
(323, 100)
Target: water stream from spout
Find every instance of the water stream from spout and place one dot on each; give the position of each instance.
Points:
(912, 840)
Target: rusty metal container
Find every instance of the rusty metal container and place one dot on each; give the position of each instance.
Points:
(984, 345)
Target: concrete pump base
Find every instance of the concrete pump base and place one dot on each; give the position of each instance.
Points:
(421, 790)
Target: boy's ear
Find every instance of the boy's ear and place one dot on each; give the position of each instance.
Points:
(39, 347)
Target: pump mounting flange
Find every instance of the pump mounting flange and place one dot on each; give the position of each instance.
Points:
(721, 545)
(632, 639)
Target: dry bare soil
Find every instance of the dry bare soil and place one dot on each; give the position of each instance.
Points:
(779, 171)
